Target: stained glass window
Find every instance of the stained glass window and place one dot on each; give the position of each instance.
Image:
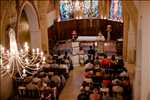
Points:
(66, 9)
(94, 10)
(70, 8)
(116, 10)
(86, 8)
(90, 8)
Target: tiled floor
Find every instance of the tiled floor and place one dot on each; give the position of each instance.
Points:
(72, 87)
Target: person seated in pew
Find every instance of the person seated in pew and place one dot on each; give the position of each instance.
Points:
(94, 95)
(54, 64)
(89, 65)
(117, 89)
(88, 80)
(83, 96)
(119, 67)
(43, 85)
(96, 62)
(64, 65)
(86, 86)
(49, 59)
(115, 81)
(88, 73)
(45, 91)
(59, 58)
(56, 79)
(28, 79)
(67, 60)
(36, 79)
(104, 92)
(105, 62)
(96, 66)
(46, 94)
(106, 81)
(113, 61)
(124, 74)
(32, 86)
(98, 72)
(126, 81)
(46, 78)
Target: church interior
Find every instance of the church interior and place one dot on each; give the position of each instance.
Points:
(74, 49)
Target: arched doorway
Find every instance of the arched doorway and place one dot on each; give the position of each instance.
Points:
(33, 24)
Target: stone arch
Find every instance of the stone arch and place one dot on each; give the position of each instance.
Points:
(34, 27)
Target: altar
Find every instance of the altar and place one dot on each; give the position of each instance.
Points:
(107, 47)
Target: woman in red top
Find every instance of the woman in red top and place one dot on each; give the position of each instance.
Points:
(105, 62)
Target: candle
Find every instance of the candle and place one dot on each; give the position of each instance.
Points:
(26, 46)
(27, 61)
(7, 51)
(3, 49)
(33, 51)
(8, 68)
(44, 59)
(24, 71)
(37, 66)
(21, 50)
(42, 54)
(37, 50)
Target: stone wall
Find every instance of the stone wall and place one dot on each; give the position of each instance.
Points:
(6, 87)
(8, 17)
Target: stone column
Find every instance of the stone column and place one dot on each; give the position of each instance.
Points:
(43, 19)
(145, 50)
(131, 44)
(125, 30)
(132, 30)
(142, 74)
(137, 76)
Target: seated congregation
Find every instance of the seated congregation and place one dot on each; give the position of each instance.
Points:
(105, 79)
(47, 82)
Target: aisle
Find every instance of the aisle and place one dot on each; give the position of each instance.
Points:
(72, 87)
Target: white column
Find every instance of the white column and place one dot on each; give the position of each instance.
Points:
(143, 55)
(137, 79)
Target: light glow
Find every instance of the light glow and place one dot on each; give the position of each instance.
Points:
(21, 60)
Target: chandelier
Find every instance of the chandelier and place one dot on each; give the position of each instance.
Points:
(23, 61)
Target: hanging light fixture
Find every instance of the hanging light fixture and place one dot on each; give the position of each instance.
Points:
(22, 60)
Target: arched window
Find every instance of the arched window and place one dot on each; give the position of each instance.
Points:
(90, 8)
(70, 9)
(94, 8)
(116, 10)
(86, 8)
(66, 9)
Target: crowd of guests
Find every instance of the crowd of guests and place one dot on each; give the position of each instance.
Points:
(105, 78)
(48, 81)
